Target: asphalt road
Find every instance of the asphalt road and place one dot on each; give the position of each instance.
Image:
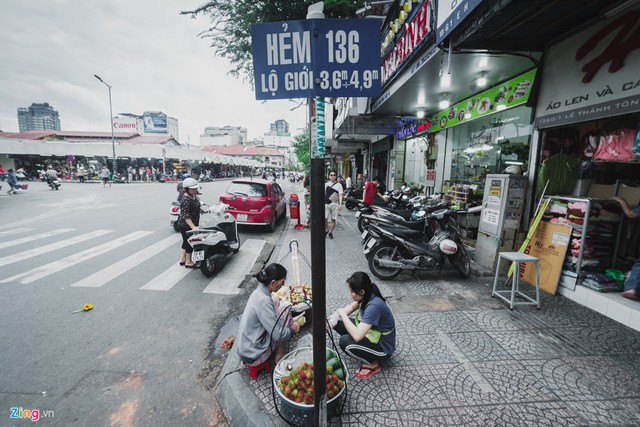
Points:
(142, 357)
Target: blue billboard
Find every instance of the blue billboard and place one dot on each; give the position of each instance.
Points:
(155, 124)
(316, 57)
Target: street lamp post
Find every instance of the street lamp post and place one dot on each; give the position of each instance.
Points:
(113, 141)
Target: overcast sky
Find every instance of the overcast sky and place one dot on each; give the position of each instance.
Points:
(148, 53)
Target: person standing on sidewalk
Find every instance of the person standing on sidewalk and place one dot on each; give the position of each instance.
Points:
(370, 191)
(263, 327)
(632, 284)
(104, 176)
(371, 335)
(333, 204)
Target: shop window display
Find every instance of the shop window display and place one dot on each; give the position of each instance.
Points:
(490, 145)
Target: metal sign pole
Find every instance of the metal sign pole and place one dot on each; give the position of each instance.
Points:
(318, 263)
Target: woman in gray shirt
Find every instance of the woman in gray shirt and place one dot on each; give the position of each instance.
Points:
(263, 326)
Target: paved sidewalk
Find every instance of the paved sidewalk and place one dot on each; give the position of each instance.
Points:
(463, 358)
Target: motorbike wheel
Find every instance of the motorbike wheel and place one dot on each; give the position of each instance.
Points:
(361, 224)
(208, 266)
(461, 262)
(349, 204)
(235, 251)
(175, 226)
(384, 251)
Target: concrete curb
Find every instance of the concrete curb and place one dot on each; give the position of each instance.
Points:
(242, 408)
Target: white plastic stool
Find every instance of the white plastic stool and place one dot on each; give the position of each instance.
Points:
(509, 296)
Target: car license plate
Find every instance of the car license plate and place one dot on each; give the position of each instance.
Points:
(242, 217)
(364, 234)
(358, 214)
(197, 256)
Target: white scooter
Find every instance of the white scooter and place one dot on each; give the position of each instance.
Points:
(215, 240)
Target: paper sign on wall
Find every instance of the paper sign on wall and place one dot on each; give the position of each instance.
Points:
(549, 244)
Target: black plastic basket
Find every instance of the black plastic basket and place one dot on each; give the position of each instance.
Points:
(300, 414)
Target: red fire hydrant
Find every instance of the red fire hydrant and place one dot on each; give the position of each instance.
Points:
(294, 209)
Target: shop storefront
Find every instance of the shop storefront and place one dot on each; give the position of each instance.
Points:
(488, 133)
(588, 151)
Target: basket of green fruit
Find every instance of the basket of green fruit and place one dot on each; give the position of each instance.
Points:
(293, 382)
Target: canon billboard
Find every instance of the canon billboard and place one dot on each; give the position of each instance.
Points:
(125, 124)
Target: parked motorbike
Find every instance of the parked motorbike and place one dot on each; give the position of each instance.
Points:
(22, 175)
(392, 250)
(121, 178)
(367, 213)
(215, 241)
(54, 183)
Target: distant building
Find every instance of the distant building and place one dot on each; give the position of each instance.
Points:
(280, 126)
(279, 136)
(225, 136)
(38, 117)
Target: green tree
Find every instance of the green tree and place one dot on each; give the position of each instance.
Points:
(230, 29)
(302, 149)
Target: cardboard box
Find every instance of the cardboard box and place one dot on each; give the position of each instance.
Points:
(601, 191)
(630, 194)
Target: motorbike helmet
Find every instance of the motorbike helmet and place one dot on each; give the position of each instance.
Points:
(190, 183)
(514, 170)
(185, 176)
(448, 247)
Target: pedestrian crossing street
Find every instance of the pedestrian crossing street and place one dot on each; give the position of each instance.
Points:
(27, 244)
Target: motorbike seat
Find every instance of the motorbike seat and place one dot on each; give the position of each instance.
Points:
(390, 221)
(212, 228)
(404, 213)
(403, 232)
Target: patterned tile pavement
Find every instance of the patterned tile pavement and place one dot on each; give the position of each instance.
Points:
(464, 358)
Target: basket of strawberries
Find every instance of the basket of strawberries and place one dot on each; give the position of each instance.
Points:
(293, 381)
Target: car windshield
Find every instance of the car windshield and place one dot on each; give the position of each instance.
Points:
(247, 189)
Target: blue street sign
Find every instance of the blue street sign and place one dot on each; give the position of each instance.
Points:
(316, 57)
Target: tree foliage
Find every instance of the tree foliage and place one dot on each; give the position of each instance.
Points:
(301, 148)
(230, 29)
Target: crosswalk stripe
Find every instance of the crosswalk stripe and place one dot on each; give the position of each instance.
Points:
(74, 259)
(34, 237)
(226, 281)
(167, 279)
(114, 270)
(14, 231)
(27, 255)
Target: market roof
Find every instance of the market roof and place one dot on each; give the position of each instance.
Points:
(241, 150)
(82, 136)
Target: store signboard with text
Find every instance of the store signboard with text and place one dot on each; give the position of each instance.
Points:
(549, 244)
(451, 13)
(509, 94)
(316, 57)
(592, 74)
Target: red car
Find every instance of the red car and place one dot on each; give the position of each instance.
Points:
(255, 202)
